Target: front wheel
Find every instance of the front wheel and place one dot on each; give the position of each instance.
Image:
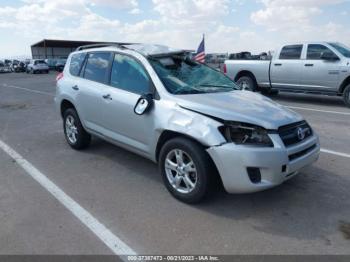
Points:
(247, 83)
(186, 169)
(346, 96)
(74, 131)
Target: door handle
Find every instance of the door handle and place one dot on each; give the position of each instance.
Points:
(76, 88)
(107, 96)
(278, 64)
(309, 64)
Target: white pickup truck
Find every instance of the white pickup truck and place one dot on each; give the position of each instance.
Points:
(314, 67)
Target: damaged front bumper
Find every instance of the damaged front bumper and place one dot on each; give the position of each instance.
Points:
(245, 169)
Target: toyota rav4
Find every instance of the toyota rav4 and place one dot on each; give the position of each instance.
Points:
(190, 119)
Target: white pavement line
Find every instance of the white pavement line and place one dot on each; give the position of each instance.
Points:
(29, 90)
(319, 110)
(335, 153)
(106, 236)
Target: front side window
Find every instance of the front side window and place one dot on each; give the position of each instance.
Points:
(96, 68)
(344, 50)
(76, 62)
(128, 74)
(181, 76)
(291, 52)
(314, 52)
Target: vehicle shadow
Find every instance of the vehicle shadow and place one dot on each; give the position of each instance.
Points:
(309, 99)
(308, 206)
(120, 157)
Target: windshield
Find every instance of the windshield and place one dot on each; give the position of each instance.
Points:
(37, 62)
(181, 76)
(344, 50)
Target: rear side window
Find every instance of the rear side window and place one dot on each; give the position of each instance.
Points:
(128, 74)
(291, 52)
(96, 68)
(314, 52)
(76, 62)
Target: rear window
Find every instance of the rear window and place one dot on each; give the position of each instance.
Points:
(76, 62)
(291, 52)
(97, 67)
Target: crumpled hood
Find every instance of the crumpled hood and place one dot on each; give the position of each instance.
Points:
(241, 106)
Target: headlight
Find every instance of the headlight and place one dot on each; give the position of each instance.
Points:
(246, 134)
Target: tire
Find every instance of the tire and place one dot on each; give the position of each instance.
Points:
(247, 83)
(346, 96)
(201, 173)
(80, 139)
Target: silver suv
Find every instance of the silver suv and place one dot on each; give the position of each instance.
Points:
(37, 66)
(190, 119)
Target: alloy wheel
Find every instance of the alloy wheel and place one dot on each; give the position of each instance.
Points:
(245, 85)
(181, 171)
(71, 129)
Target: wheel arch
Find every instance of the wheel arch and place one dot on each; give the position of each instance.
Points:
(344, 84)
(167, 135)
(66, 104)
(246, 73)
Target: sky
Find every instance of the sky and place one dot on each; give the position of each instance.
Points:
(228, 25)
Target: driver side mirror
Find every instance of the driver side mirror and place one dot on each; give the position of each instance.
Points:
(143, 104)
(328, 56)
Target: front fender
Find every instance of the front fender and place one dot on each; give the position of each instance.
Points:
(195, 125)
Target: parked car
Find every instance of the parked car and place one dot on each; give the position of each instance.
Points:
(189, 118)
(51, 63)
(314, 67)
(4, 68)
(60, 65)
(18, 66)
(37, 66)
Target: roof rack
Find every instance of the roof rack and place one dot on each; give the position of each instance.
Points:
(121, 45)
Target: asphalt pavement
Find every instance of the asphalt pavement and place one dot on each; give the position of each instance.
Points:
(125, 193)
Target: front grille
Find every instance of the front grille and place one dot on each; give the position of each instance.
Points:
(295, 133)
(301, 153)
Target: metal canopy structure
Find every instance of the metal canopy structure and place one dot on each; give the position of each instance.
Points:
(49, 48)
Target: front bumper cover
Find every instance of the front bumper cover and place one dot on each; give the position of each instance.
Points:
(233, 160)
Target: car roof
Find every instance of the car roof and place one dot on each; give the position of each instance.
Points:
(153, 50)
(143, 49)
(309, 42)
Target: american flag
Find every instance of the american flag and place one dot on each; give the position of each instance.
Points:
(200, 55)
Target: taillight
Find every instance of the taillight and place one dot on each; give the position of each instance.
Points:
(225, 69)
(59, 77)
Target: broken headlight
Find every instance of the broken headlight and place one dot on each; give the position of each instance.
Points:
(246, 134)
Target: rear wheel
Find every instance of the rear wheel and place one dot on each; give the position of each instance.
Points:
(74, 131)
(346, 96)
(247, 83)
(186, 169)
